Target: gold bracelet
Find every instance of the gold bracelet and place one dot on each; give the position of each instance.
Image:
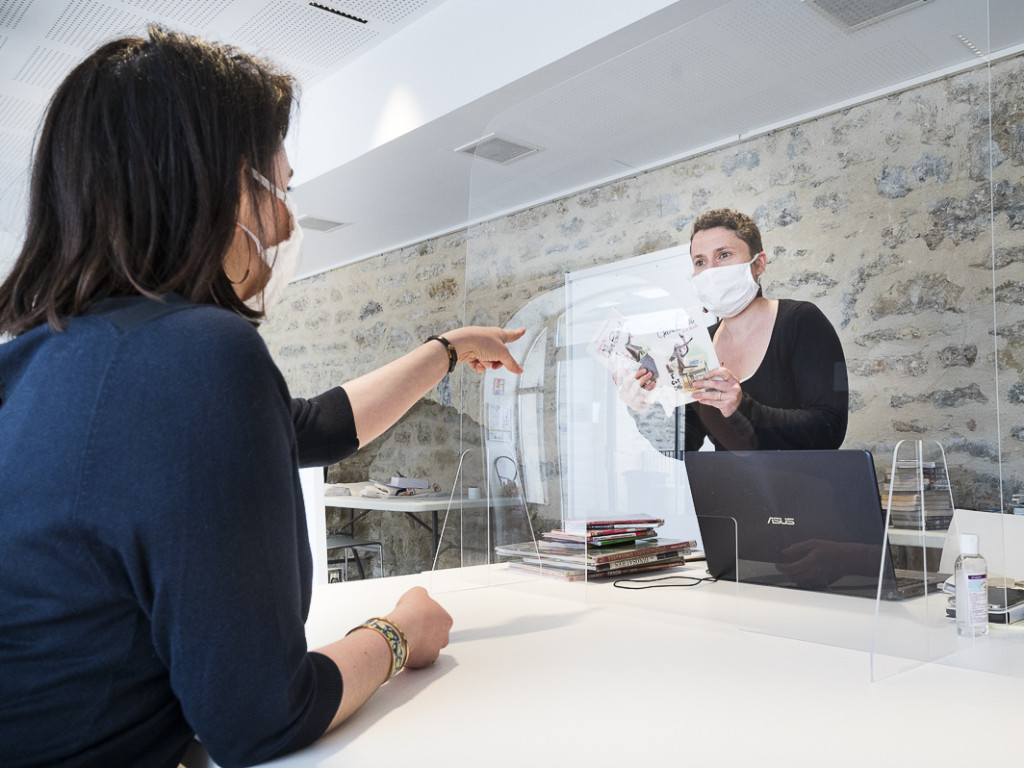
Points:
(394, 636)
(453, 356)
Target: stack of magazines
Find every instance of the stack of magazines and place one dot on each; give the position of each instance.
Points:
(920, 496)
(598, 548)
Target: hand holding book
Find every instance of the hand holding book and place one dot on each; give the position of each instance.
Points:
(720, 389)
(635, 387)
(655, 357)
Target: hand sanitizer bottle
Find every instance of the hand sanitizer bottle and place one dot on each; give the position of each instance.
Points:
(971, 577)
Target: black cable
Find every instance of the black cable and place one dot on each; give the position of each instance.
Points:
(650, 583)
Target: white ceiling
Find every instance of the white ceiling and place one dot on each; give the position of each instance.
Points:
(41, 40)
(604, 88)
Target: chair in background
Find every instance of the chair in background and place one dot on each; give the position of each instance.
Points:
(507, 472)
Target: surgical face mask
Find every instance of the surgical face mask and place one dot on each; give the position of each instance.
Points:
(726, 291)
(281, 258)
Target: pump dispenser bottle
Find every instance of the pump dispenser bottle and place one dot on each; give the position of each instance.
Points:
(971, 577)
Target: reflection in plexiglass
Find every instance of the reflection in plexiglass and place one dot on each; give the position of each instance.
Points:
(894, 207)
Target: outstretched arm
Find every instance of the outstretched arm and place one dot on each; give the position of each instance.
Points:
(380, 398)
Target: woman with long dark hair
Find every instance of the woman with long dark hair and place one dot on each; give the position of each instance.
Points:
(155, 571)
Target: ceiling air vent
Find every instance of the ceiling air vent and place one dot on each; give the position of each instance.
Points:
(497, 149)
(854, 14)
(320, 225)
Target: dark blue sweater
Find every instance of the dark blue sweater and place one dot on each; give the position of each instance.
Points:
(154, 564)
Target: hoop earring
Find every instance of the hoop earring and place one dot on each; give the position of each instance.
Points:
(249, 258)
(244, 277)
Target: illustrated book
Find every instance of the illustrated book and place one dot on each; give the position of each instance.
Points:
(674, 345)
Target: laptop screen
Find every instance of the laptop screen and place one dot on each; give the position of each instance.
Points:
(801, 519)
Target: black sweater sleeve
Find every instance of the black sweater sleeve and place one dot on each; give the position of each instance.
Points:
(325, 428)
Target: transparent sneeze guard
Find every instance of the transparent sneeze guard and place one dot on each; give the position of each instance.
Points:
(831, 577)
(913, 256)
(567, 412)
(921, 517)
(501, 468)
(797, 539)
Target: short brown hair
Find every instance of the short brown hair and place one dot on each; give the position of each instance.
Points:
(744, 226)
(137, 177)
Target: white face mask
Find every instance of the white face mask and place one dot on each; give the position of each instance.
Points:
(281, 258)
(726, 291)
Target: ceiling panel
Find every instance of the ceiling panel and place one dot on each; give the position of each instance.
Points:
(739, 68)
(41, 40)
(692, 75)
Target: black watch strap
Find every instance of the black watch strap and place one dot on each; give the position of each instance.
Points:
(453, 356)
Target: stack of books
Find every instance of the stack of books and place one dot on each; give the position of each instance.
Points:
(598, 548)
(920, 496)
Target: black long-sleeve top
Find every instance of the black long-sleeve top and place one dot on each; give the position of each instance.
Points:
(798, 398)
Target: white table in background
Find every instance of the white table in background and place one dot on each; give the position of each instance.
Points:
(412, 506)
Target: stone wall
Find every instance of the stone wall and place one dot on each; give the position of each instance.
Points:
(902, 218)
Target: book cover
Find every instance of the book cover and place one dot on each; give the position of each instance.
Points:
(593, 533)
(542, 568)
(543, 547)
(549, 570)
(657, 565)
(670, 558)
(408, 482)
(672, 344)
(602, 537)
(585, 524)
(674, 557)
(591, 556)
(639, 549)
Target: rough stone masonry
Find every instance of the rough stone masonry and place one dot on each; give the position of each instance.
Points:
(902, 218)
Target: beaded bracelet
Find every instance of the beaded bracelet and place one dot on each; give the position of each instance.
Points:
(396, 639)
(453, 356)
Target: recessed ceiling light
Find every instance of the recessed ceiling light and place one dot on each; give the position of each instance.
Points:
(970, 46)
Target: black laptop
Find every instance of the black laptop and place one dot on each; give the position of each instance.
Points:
(808, 520)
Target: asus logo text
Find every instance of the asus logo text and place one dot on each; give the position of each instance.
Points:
(781, 521)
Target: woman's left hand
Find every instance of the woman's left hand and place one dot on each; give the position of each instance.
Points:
(719, 388)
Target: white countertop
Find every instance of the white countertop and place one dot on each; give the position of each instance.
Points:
(541, 672)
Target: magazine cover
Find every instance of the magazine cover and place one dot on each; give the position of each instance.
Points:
(673, 344)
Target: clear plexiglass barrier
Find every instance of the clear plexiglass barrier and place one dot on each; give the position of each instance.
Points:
(892, 205)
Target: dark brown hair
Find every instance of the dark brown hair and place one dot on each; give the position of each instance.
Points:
(744, 226)
(136, 179)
